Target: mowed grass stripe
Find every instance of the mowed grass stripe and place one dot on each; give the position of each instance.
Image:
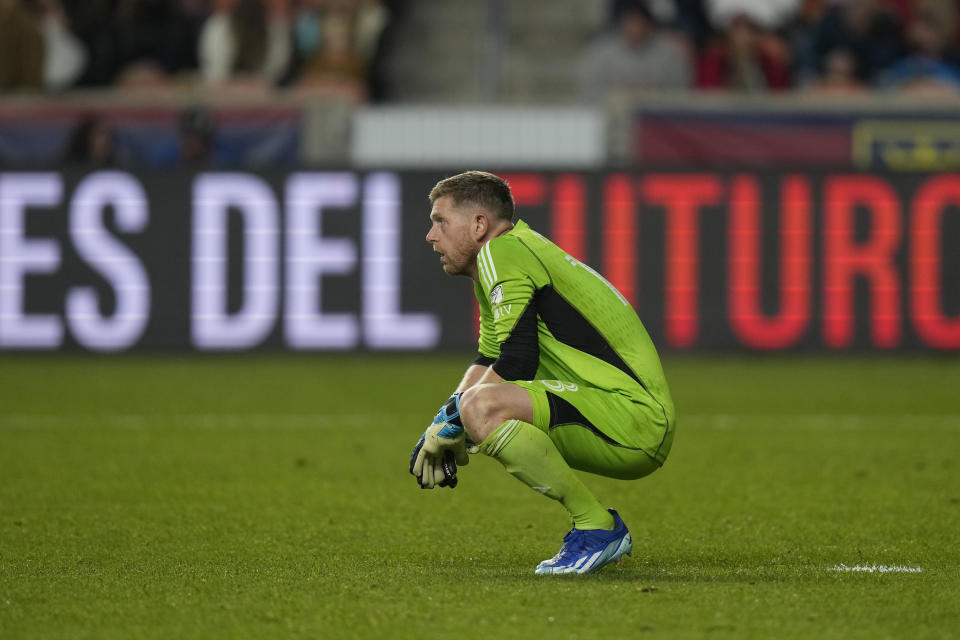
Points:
(239, 509)
(201, 421)
(327, 421)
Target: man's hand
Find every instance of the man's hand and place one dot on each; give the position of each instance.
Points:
(437, 455)
(438, 472)
(434, 473)
(441, 448)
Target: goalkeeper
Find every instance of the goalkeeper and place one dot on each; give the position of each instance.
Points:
(566, 378)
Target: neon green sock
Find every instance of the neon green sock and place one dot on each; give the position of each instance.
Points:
(529, 455)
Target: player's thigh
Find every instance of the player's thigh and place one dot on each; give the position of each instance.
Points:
(582, 424)
(485, 407)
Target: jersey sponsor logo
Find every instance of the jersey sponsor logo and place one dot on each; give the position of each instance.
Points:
(502, 312)
(557, 385)
(496, 296)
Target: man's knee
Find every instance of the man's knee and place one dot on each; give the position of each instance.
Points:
(476, 408)
(485, 407)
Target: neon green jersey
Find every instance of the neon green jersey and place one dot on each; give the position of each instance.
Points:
(545, 315)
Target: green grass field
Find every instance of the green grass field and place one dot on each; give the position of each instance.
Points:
(268, 497)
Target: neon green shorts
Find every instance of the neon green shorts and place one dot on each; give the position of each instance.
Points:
(600, 431)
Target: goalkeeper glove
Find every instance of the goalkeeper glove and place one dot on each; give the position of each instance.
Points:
(438, 472)
(441, 448)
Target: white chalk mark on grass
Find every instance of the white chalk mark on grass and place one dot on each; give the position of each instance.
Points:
(876, 568)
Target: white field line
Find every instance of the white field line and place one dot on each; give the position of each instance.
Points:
(201, 420)
(876, 568)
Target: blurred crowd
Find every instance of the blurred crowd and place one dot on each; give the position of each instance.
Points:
(840, 47)
(338, 48)
(827, 46)
(325, 45)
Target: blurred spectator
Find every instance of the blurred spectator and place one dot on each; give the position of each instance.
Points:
(245, 42)
(931, 65)
(196, 142)
(692, 20)
(663, 11)
(93, 23)
(802, 37)
(336, 41)
(765, 14)
(21, 48)
(689, 17)
(946, 11)
(745, 58)
(839, 76)
(153, 42)
(867, 29)
(637, 55)
(372, 19)
(382, 42)
(65, 56)
(91, 143)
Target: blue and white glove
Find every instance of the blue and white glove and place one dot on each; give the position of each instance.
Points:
(441, 448)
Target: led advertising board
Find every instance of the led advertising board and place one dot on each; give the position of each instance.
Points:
(111, 261)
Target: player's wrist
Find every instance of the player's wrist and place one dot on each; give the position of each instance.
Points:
(449, 413)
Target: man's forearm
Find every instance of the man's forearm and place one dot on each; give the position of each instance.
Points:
(472, 376)
(477, 374)
(490, 377)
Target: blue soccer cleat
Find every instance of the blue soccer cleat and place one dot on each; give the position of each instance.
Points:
(588, 550)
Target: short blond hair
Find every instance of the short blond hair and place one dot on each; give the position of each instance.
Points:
(479, 188)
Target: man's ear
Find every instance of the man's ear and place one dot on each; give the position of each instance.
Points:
(480, 225)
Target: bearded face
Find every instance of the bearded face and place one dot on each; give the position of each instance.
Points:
(451, 236)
